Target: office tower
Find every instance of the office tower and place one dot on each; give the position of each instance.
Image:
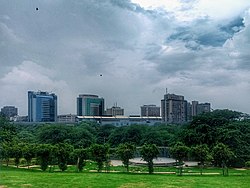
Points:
(194, 107)
(90, 105)
(150, 111)
(114, 111)
(9, 111)
(42, 106)
(200, 108)
(174, 109)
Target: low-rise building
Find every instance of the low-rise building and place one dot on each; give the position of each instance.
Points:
(114, 111)
(120, 120)
(67, 118)
(9, 111)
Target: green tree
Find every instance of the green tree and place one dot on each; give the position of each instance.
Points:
(54, 134)
(81, 137)
(125, 152)
(25, 136)
(6, 152)
(28, 153)
(201, 153)
(7, 130)
(116, 137)
(179, 152)
(236, 135)
(134, 134)
(63, 153)
(100, 154)
(204, 128)
(221, 126)
(153, 137)
(81, 155)
(222, 154)
(17, 153)
(148, 153)
(45, 154)
(104, 132)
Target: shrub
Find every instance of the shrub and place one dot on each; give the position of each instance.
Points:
(247, 164)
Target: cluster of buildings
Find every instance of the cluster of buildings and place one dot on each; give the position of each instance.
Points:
(42, 107)
(175, 109)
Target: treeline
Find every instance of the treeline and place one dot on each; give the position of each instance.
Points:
(84, 134)
(204, 139)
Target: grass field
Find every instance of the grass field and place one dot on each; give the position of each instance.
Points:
(12, 177)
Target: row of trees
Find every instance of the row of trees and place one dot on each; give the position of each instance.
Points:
(86, 133)
(220, 155)
(207, 130)
(62, 154)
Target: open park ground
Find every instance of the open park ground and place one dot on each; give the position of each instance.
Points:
(117, 177)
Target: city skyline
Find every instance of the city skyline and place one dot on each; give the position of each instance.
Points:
(127, 52)
(93, 105)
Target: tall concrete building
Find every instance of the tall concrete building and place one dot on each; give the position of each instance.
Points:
(9, 111)
(90, 105)
(174, 109)
(114, 111)
(150, 111)
(189, 111)
(199, 108)
(42, 106)
(194, 108)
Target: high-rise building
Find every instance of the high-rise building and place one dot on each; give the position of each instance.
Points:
(90, 105)
(194, 108)
(150, 111)
(174, 109)
(42, 106)
(114, 111)
(9, 111)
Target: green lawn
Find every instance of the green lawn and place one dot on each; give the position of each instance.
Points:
(12, 177)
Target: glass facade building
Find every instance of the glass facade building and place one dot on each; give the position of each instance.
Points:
(42, 106)
(90, 105)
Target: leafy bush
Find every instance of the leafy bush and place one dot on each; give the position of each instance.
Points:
(247, 164)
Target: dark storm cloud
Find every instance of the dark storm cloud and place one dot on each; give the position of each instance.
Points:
(206, 33)
(233, 26)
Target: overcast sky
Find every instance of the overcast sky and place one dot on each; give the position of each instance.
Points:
(199, 49)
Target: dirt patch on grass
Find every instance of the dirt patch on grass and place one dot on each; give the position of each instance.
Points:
(26, 185)
(129, 185)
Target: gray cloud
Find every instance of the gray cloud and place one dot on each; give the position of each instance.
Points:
(65, 46)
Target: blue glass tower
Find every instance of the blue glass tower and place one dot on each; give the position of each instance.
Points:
(42, 106)
(90, 105)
